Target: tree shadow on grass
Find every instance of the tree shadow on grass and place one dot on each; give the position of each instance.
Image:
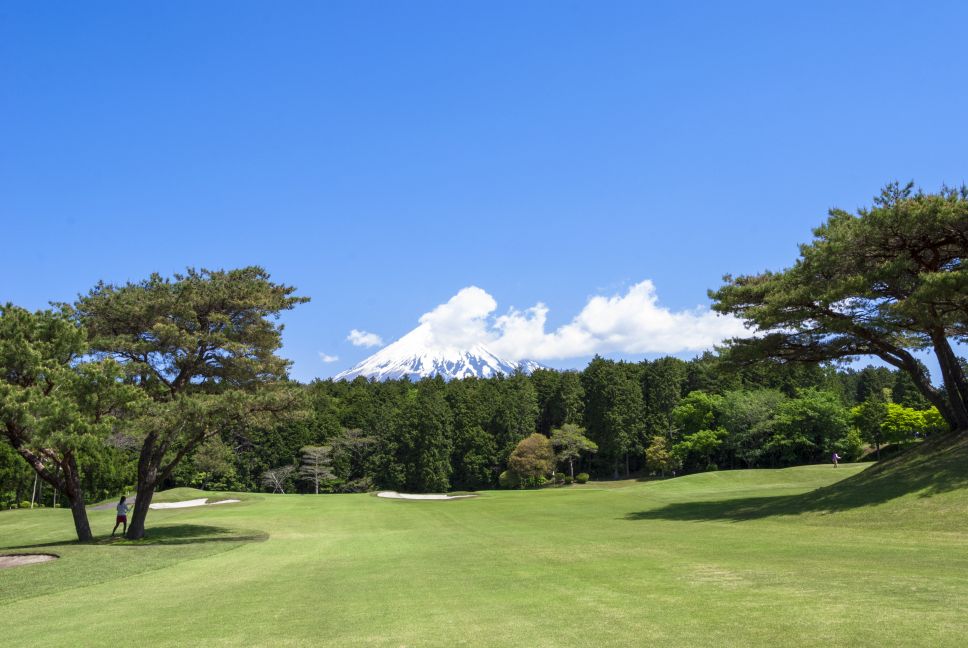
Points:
(178, 534)
(936, 466)
(175, 534)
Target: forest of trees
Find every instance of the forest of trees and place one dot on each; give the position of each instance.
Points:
(177, 382)
(431, 435)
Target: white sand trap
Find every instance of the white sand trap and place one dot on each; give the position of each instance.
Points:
(16, 560)
(189, 503)
(429, 496)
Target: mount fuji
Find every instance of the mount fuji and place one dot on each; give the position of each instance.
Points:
(415, 357)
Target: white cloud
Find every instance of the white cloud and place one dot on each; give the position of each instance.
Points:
(633, 323)
(462, 321)
(327, 358)
(364, 338)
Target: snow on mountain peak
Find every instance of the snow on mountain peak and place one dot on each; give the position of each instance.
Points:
(416, 357)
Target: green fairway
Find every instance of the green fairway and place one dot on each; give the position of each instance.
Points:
(733, 558)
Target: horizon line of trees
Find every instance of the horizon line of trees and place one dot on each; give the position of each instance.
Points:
(171, 381)
(612, 419)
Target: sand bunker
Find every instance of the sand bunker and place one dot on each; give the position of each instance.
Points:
(16, 560)
(189, 503)
(429, 496)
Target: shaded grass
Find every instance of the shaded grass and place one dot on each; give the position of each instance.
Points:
(927, 471)
(107, 558)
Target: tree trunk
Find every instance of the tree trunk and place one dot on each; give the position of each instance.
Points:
(903, 360)
(147, 480)
(81, 525)
(906, 362)
(136, 527)
(66, 479)
(74, 493)
(954, 379)
(571, 468)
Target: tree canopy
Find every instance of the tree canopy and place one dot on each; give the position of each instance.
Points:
(532, 459)
(886, 281)
(202, 346)
(570, 443)
(56, 408)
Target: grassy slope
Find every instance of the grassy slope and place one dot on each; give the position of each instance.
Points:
(782, 558)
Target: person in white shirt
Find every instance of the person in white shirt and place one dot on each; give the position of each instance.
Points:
(122, 517)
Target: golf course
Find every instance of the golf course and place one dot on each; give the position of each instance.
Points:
(864, 554)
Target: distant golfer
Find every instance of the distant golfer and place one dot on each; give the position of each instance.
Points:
(835, 458)
(122, 517)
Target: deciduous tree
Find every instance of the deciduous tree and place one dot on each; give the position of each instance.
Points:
(570, 442)
(316, 465)
(532, 458)
(659, 457)
(276, 478)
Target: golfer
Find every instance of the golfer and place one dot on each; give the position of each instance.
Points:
(122, 517)
(835, 458)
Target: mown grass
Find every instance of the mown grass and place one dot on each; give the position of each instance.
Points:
(809, 556)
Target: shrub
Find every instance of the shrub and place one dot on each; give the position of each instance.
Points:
(659, 456)
(533, 457)
(508, 479)
(851, 446)
(530, 482)
(25, 504)
(581, 478)
(361, 485)
(559, 478)
(711, 467)
(567, 479)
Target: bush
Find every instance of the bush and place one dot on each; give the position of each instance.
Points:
(508, 479)
(531, 482)
(567, 480)
(850, 447)
(559, 478)
(581, 478)
(25, 504)
(532, 457)
(361, 485)
(711, 467)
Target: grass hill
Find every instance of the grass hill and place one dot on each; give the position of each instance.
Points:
(861, 555)
(925, 487)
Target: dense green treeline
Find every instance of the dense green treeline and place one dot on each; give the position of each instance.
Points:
(176, 381)
(433, 435)
(654, 416)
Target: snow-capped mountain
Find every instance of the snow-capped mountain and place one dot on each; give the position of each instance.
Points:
(413, 356)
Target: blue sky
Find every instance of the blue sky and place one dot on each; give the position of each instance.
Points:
(384, 156)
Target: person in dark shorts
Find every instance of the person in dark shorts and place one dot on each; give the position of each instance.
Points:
(122, 516)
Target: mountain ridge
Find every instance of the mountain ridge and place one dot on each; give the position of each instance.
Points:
(413, 356)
